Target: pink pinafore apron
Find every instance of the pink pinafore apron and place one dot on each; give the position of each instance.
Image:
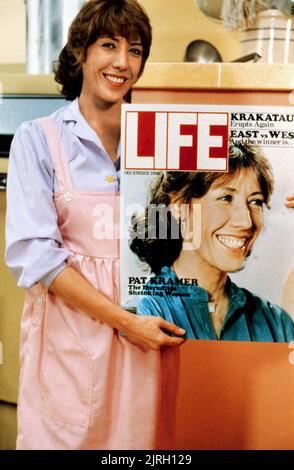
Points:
(82, 385)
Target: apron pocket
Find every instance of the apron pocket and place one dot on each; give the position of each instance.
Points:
(66, 378)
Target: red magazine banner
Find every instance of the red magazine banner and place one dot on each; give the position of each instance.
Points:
(176, 140)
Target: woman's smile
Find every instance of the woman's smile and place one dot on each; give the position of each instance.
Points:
(231, 220)
(232, 242)
(115, 80)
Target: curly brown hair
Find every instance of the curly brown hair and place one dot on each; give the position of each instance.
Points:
(172, 186)
(97, 18)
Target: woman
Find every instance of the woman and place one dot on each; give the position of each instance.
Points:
(82, 385)
(197, 292)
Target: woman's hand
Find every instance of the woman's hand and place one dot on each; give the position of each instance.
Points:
(151, 332)
(144, 331)
(290, 201)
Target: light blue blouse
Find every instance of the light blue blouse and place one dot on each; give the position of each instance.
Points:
(33, 240)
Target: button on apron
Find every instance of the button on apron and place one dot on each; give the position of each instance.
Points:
(68, 196)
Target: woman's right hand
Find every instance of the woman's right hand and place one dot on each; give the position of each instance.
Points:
(150, 332)
(290, 201)
(145, 331)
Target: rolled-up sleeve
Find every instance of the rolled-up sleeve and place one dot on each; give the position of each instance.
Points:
(34, 251)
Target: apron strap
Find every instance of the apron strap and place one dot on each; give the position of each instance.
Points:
(56, 148)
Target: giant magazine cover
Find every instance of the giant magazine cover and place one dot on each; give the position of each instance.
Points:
(206, 237)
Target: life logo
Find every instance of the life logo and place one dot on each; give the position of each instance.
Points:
(176, 140)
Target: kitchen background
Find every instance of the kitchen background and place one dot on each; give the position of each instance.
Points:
(175, 24)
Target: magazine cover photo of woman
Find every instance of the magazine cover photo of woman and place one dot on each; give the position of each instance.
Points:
(191, 286)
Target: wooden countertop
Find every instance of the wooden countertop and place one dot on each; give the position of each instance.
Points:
(236, 76)
(169, 75)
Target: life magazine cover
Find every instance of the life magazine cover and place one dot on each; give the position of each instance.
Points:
(207, 240)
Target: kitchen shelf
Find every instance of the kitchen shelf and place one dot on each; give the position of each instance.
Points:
(227, 76)
(25, 84)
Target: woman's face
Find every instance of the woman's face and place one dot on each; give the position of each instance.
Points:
(111, 68)
(231, 220)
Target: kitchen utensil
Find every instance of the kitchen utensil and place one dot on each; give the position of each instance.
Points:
(254, 57)
(202, 51)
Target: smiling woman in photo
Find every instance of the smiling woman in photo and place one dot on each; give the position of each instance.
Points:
(231, 220)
